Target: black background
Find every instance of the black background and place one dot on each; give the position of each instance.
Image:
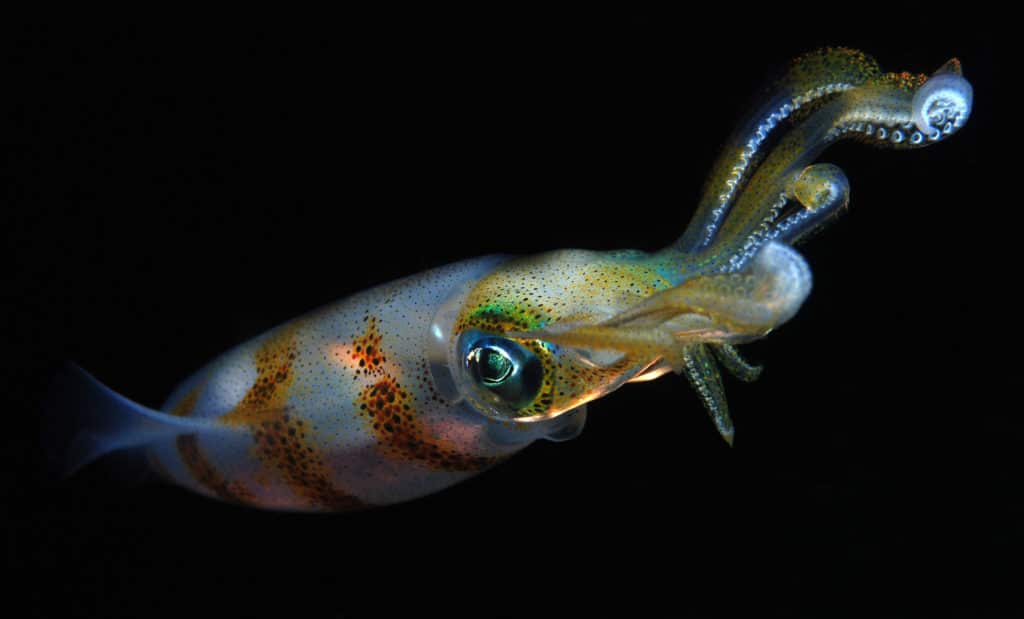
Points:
(172, 191)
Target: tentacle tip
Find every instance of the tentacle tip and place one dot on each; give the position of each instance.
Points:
(943, 103)
(820, 185)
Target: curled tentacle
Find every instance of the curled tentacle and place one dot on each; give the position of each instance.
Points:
(884, 111)
(731, 360)
(823, 192)
(810, 80)
(943, 104)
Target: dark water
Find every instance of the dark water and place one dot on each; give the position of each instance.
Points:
(171, 192)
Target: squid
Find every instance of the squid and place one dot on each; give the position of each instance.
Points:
(415, 385)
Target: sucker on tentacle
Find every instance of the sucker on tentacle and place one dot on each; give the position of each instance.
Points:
(942, 104)
(811, 78)
(857, 101)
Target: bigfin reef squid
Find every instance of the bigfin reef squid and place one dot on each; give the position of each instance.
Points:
(412, 386)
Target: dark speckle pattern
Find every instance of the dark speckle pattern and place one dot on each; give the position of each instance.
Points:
(561, 286)
(365, 352)
(280, 438)
(388, 412)
(281, 442)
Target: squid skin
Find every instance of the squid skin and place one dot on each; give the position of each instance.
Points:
(413, 386)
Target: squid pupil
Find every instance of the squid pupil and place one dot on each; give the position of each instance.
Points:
(495, 366)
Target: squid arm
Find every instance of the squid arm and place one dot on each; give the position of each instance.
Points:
(742, 279)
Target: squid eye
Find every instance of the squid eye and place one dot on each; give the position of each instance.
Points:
(491, 366)
(509, 374)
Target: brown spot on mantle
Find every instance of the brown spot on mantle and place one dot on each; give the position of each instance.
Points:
(274, 376)
(365, 354)
(387, 410)
(281, 443)
(280, 438)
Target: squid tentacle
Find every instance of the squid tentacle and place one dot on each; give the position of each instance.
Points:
(702, 371)
(824, 191)
(821, 189)
(882, 112)
(810, 80)
(733, 362)
(733, 276)
(721, 308)
(943, 104)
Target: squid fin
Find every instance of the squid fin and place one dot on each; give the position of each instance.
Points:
(84, 420)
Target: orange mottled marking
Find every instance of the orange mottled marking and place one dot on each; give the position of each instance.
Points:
(281, 442)
(905, 80)
(387, 410)
(207, 475)
(365, 355)
(274, 361)
(280, 438)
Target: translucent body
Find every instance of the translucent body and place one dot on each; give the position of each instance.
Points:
(412, 386)
(338, 409)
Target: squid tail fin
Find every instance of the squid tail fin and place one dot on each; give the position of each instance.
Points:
(83, 420)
